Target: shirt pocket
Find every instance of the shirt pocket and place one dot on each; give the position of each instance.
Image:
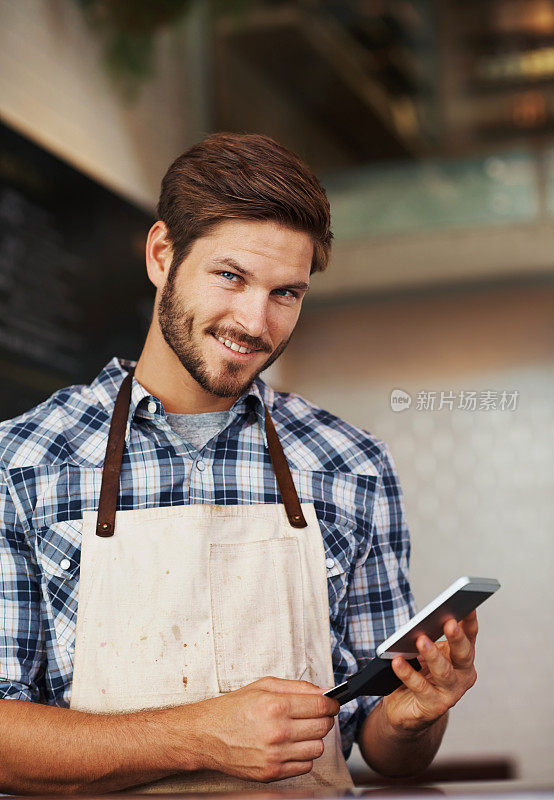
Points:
(257, 611)
(59, 555)
(337, 583)
(340, 550)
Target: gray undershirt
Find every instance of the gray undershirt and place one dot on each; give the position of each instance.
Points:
(198, 429)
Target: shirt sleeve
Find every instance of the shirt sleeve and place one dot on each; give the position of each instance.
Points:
(22, 653)
(379, 595)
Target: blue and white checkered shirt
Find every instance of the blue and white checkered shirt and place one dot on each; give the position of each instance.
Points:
(51, 461)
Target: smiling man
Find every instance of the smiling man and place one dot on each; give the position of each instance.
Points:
(226, 314)
(189, 559)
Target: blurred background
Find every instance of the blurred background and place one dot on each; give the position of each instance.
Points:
(431, 125)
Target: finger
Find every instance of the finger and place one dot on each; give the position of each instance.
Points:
(462, 651)
(471, 626)
(440, 667)
(284, 686)
(413, 680)
(302, 730)
(298, 706)
(424, 668)
(306, 706)
(292, 768)
(304, 751)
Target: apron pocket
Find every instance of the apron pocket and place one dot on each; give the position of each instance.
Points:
(257, 611)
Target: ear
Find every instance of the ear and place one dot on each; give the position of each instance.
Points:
(159, 254)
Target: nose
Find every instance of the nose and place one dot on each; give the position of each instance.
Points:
(250, 313)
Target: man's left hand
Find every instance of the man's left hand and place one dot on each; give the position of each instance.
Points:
(447, 672)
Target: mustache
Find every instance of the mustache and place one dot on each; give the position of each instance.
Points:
(251, 342)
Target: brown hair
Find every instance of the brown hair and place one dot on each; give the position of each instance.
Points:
(245, 177)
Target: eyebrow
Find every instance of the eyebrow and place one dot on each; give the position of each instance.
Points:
(230, 262)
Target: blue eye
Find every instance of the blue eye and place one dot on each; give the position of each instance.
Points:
(228, 275)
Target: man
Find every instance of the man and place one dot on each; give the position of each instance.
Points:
(190, 559)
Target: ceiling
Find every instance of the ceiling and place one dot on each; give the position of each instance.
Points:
(372, 80)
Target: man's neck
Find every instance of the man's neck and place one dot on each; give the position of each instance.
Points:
(162, 374)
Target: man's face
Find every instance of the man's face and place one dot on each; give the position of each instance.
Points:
(242, 285)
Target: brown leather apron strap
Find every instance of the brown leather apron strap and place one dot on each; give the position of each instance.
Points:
(284, 478)
(109, 490)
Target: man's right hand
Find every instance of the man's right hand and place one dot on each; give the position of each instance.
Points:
(266, 731)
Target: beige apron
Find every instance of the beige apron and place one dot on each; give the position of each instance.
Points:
(184, 603)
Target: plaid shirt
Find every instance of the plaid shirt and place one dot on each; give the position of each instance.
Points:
(51, 461)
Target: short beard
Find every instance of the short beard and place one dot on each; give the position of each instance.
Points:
(177, 329)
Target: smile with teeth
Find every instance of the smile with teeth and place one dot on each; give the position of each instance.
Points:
(233, 345)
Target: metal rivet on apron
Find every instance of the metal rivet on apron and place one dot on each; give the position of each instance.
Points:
(65, 563)
(201, 466)
(105, 527)
(152, 407)
(330, 563)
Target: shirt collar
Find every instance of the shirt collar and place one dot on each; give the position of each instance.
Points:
(106, 386)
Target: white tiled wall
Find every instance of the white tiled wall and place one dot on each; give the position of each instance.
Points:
(478, 491)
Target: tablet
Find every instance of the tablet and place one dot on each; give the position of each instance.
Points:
(461, 597)
(378, 677)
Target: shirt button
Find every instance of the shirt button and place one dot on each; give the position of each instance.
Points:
(152, 407)
(329, 563)
(65, 563)
(200, 465)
